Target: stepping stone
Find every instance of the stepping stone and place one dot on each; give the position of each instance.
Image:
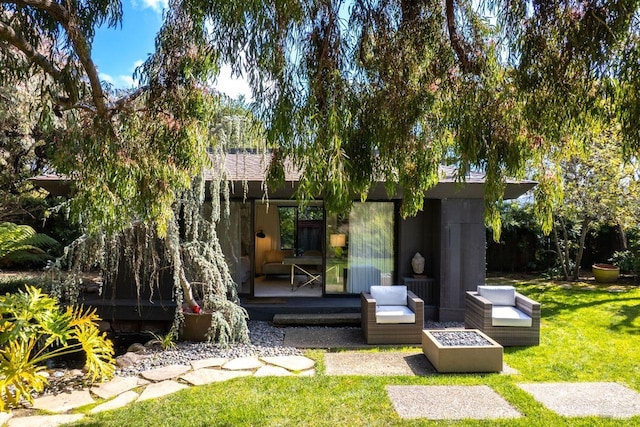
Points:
(586, 399)
(384, 363)
(208, 363)
(122, 400)
(63, 402)
(164, 388)
(44, 420)
(307, 373)
(272, 371)
(208, 375)
(4, 417)
(243, 364)
(165, 372)
(117, 386)
(292, 363)
(449, 402)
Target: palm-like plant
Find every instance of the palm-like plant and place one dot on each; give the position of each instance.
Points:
(21, 243)
(33, 328)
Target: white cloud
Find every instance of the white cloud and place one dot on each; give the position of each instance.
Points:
(156, 5)
(136, 64)
(233, 86)
(107, 78)
(118, 82)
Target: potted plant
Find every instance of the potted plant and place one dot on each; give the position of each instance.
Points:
(605, 273)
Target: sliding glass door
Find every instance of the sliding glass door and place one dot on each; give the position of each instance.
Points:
(360, 248)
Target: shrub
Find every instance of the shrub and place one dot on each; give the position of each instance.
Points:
(33, 329)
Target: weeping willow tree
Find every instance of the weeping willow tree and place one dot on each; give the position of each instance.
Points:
(134, 157)
(351, 91)
(359, 91)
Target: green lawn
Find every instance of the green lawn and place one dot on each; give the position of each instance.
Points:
(588, 333)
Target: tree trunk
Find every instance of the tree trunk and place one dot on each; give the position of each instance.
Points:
(624, 245)
(583, 238)
(172, 244)
(561, 254)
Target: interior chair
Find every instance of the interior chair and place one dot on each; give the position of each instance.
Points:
(391, 315)
(508, 317)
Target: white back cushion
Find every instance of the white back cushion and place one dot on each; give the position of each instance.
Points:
(389, 295)
(498, 295)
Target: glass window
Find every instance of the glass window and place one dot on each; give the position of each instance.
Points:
(360, 248)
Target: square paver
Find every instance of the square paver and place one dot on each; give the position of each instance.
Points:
(450, 402)
(586, 399)
(382, 363)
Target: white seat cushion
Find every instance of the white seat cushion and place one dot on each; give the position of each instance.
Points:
(389, 295)
(498, 295)
(395, 314)
(506, 315)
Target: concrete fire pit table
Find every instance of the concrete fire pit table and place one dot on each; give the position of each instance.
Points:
(461, 350)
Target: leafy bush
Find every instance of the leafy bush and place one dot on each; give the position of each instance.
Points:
(33, 329)
(21, 244)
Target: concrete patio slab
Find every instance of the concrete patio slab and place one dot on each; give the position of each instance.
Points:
(604, 399)
(449, 403)
(63, 402)
(208, 363)
(44, 420)
(243, 364)
(117, 386)
(164, 388)
(291, 363)
(272, 371)
(165, 372)
(382, 363)
(327, 338)
(208, 375)
(120, 401)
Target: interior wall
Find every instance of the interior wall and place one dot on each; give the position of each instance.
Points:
(267, 221)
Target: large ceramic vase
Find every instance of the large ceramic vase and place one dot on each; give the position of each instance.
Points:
(196, 326)
(605, 273)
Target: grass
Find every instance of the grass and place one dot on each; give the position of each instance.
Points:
(588, 333)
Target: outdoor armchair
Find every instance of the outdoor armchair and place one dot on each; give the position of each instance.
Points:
(392, 315)
(508, 317)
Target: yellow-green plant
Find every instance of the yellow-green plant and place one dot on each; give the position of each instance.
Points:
(167, 342)
(33, 329)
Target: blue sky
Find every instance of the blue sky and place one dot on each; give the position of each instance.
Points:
(118, 51)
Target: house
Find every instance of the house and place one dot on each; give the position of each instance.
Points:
(312, 259)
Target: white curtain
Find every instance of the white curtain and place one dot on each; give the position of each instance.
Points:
(370, 246)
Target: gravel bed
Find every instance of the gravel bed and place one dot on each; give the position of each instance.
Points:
(460, 338)
(266, 340)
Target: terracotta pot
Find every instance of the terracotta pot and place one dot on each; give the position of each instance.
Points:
(605, 273)
(196, 326)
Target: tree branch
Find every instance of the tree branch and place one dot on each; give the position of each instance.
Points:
(468, 65)
(79, 42)
(7, 33)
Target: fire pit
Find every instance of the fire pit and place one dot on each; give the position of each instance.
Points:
(461, 350)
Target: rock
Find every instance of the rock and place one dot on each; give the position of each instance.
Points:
(153, 344)
(137, 348)
(128, 359)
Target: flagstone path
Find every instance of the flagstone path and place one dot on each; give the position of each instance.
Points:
(450, 402)
(153, 384)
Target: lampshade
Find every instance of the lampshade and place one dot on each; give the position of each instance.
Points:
(338, 240)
